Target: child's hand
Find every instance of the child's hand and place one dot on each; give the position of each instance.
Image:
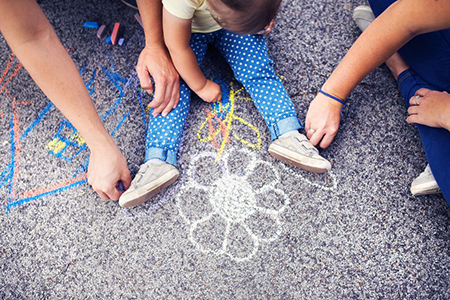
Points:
(211, 92)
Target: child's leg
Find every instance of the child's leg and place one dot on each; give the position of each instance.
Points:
(162, 143)
(164, 133)
(249, 59)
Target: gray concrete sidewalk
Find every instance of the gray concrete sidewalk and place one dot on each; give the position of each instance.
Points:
(244, 227)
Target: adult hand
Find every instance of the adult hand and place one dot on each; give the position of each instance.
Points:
(107, 166)
(322, 120)
(430, 108)
(155, 62)
(210, 92)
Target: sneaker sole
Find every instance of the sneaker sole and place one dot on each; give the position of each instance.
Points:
(425, 190)
(152, 189)
(283, 155)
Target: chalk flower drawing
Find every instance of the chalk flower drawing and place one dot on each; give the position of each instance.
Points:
(232, 200)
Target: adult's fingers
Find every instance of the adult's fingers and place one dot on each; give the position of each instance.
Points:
(171, 105)
(102, 195)
(415, 100)
(113, 193)
(316, 137)
(167, 106)
(176, 93)
(413, 119)
(144, 79)
(126, 179)
(327, 140)
(308, 126)
(413, 110)
(422, 92)
(160, 99)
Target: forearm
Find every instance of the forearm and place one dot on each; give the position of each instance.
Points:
(151, 15)
(36, 45)
(60, 80)
(177, 35)
(389, 32)
(187, 66)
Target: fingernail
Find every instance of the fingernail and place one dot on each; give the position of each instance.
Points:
(164, 114)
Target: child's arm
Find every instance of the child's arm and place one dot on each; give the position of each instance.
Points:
(177, 33)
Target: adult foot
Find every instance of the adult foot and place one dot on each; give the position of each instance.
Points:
(425, 184)
(363, 16)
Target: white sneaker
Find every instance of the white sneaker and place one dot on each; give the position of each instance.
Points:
(297, 150)
(425, 184)
(149, 181)
(363, 16)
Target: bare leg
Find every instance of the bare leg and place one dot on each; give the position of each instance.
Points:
(396, 65)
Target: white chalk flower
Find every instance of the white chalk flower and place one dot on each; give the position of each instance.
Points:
(231, 213)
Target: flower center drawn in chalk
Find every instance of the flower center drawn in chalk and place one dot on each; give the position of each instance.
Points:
(233, 199)
(231, 210)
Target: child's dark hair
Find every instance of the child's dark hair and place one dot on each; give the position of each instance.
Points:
(244, 16)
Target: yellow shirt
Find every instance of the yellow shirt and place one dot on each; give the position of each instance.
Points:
(202, 22)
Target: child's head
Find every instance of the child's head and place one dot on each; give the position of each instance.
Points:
(244, 16)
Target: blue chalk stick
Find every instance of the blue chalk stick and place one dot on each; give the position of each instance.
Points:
(121, 41)
(108, 40)
(93, 25)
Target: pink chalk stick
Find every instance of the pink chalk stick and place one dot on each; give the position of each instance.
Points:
(100, 31)
(115, 33)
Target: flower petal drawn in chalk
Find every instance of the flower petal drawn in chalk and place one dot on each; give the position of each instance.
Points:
(232, 201)
(231, 214)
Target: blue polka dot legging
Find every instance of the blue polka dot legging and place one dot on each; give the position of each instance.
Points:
(249, 60)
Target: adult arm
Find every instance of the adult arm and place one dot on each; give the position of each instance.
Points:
(154, 61)
(177, 33)
(34, 42)
(401, 22)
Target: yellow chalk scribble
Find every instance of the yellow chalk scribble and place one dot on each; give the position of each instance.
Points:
(225, 124)
(56, 145)
(77, 138)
